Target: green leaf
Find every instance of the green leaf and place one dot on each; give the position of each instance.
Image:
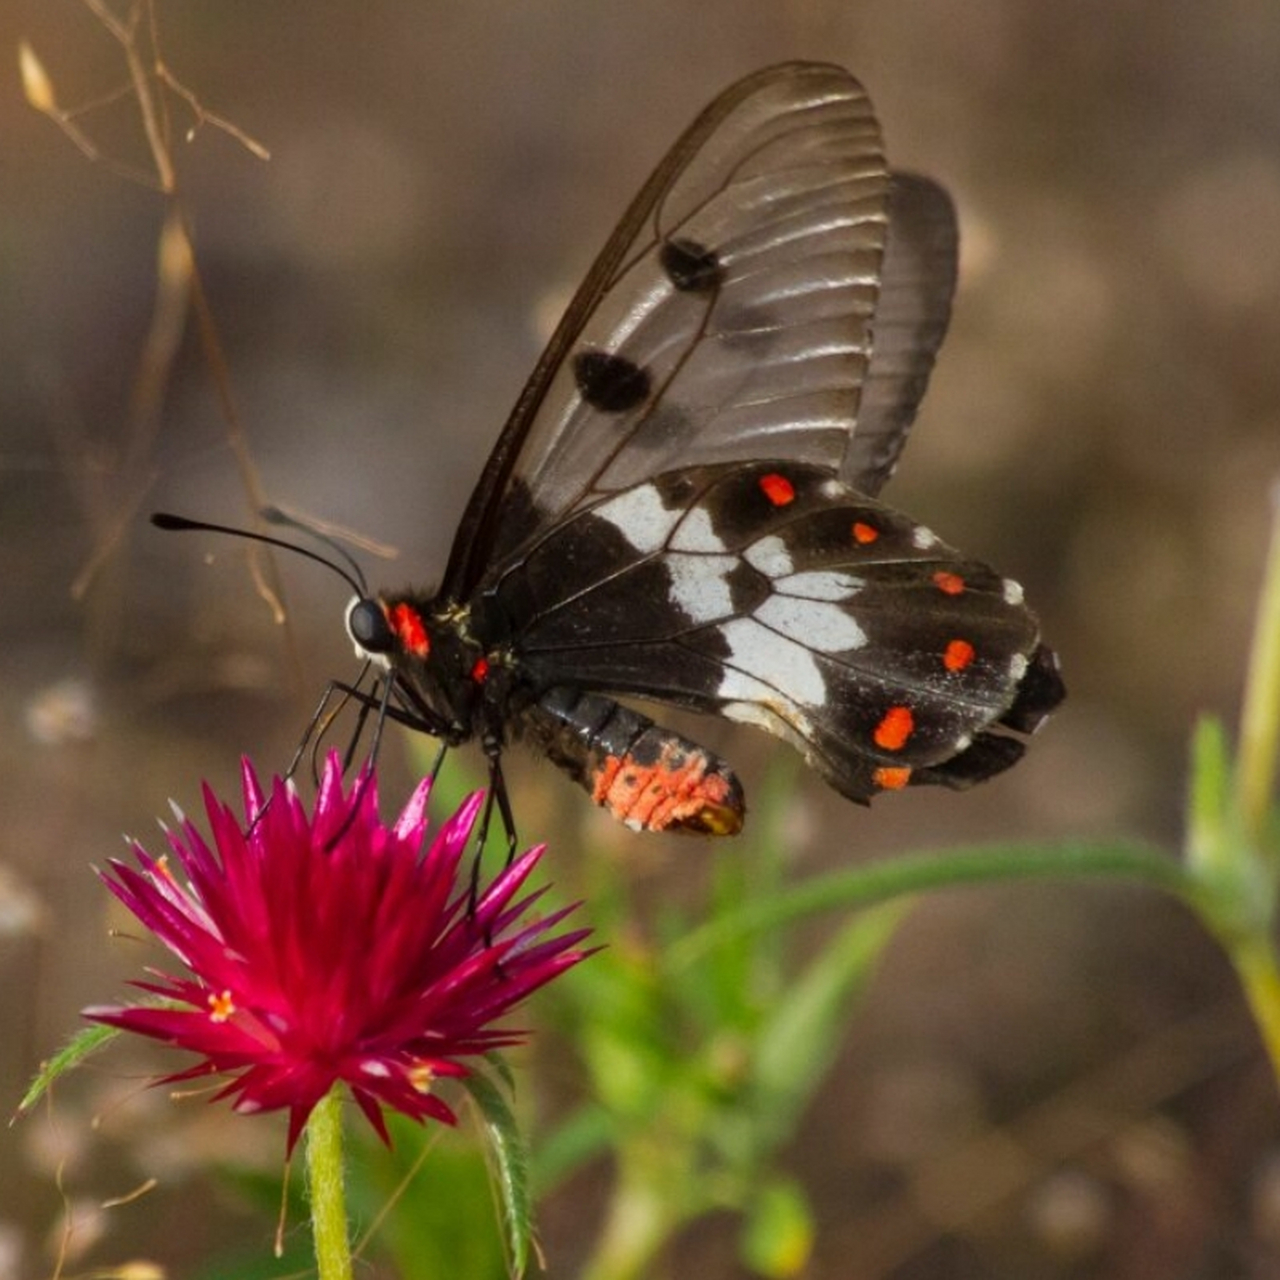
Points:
(778, 1236)
(81, 1045)
(588, 1133)
(426, 1203)
(510, 1164)
(501, 1068)
(876, 882)
(798, 1043)
(1208, 841)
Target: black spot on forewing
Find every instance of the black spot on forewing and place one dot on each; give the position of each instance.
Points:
(610, 383)
(690, 266)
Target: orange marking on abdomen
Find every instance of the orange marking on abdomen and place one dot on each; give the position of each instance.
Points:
(957, 655)
(895, 728)
(677, 792)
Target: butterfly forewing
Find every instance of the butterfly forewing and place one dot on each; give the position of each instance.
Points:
(727, 317)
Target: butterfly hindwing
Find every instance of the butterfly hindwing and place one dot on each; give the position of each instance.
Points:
(775, 595)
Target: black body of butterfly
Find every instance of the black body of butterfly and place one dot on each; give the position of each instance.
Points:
(682, 506)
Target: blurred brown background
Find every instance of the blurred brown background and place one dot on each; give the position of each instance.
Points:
(1104, 425)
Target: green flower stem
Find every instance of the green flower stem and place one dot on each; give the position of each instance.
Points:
(325, 1189)
(1260, 721)
(645, 1210)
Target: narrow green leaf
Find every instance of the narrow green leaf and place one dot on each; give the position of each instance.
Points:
(1208, 841)
(510, 1164)
(81, 1045)
(871, 883)
(1260, 711)
(588, 1133)
(501, 1068)
(799, 1041)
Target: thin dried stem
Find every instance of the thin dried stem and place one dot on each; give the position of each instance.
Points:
(179, 287)
(204, 116)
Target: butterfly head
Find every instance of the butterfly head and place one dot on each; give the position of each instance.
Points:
(379, 634)
(436, 665)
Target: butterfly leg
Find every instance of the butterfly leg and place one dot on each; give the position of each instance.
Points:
(648, 777)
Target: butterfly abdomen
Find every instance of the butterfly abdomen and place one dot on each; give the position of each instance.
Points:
(651, 778)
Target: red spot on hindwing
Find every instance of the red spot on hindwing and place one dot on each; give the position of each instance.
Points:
(890, 778)
(951, 583)
(957, 655)
(408, 627)
(895, 727)
(777, 488)
(480, 672)
(864, 532)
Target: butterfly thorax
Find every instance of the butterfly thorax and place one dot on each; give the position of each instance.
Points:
(442, 671)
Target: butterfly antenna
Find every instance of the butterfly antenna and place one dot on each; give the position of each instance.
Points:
(355, 580)
(274, 515)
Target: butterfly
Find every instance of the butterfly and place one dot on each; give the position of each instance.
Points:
(682, 506)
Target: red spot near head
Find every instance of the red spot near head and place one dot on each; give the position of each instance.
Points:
(957, 655)
(408, 627)
(891, 779)
(894, 729)
(951, 583)
(778, 489)
(864, 532)
(480, 672)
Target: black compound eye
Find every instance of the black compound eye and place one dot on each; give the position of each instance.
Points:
(368, 627)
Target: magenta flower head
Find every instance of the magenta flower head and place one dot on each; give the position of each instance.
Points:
(328, 947)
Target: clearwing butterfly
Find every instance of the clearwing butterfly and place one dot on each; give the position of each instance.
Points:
(682, 506)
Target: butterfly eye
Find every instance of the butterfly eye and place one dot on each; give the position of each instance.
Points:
(367, 625)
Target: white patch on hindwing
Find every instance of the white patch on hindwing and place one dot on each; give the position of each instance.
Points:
(791, 669)
(815, 623)
(794, 727)
(770, 556)
(700, 585)
(695, 533)
(640, 516)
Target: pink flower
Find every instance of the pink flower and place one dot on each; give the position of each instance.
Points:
(328, 947)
